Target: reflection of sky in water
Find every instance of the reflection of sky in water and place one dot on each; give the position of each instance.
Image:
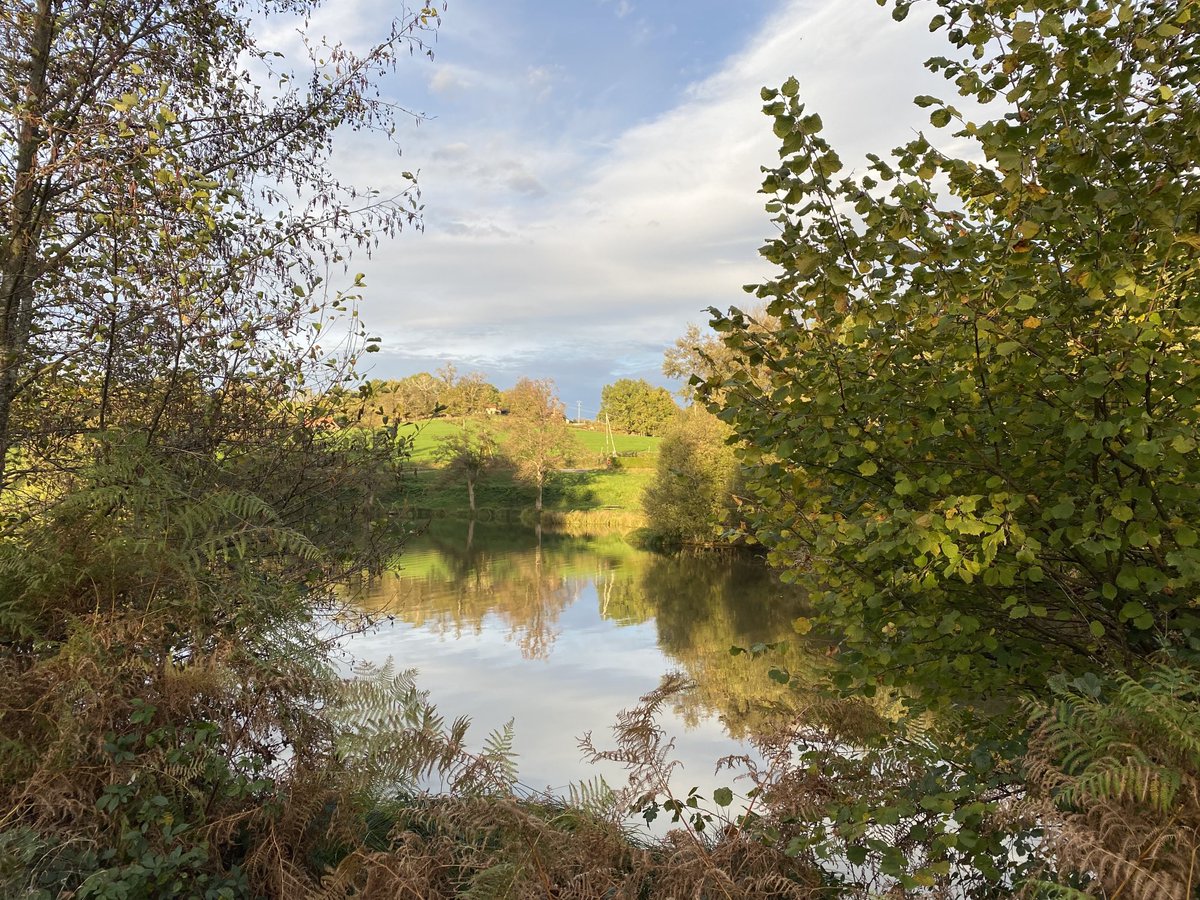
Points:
(587, 669)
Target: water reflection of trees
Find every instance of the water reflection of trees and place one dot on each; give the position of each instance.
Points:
(702, 604)
(456, 577)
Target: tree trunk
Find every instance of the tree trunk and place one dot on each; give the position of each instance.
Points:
(18, 261)
(538, 504)
(471, 494)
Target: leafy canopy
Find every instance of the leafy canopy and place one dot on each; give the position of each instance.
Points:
(976, 421)
(538, 438)
(690, 498)
(637, 407)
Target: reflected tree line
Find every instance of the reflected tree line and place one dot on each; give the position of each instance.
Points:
(701, 603)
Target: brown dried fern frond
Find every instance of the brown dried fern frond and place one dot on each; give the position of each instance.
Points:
(1115, 768)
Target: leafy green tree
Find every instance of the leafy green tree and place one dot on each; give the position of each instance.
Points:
(164, 221)
(538, 438)
(973, 435)
(691, 496)
(469, 453)
(171, 521)
(418, 396)
(470, 395)
(636, 406)
(980, 426)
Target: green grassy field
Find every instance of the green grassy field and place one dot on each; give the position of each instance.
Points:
(626, 443)
(592, 495)
(428, 433)
(591, 489)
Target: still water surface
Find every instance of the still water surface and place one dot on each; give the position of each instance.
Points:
(560, 633)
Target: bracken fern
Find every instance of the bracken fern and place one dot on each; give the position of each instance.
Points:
(1115, 765)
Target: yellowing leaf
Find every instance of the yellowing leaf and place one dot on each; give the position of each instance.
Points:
(1032, 322)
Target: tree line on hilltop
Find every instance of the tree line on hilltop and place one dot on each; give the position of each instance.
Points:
(630, 406)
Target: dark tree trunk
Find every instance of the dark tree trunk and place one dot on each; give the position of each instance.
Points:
(18, 260)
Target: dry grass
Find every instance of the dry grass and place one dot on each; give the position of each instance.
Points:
(591, 521)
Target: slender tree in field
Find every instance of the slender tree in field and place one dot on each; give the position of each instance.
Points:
(538, 440)
(470, 453)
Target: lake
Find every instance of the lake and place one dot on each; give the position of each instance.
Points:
(560, 633)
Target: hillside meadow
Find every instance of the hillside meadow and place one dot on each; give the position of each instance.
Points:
(588, 495)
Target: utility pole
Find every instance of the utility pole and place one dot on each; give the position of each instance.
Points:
(578, 410)
(609, 443)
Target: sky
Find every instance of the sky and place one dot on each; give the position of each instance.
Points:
(589, 170)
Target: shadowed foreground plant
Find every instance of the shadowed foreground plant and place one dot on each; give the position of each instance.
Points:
(170, 722)
(1115, 768)
(716, 852)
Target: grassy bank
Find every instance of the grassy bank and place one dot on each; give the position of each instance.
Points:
(590, 438)
(587, 499)
(590, 500)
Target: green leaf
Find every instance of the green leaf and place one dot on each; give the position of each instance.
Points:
(1063, 510)
(722, 796)
(1128, 580)
(811, 124)
(1131, 610)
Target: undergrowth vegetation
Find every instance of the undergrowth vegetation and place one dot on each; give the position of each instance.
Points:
(971, 428)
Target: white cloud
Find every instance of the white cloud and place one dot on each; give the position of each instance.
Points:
(534, 244)
(448, 79)
(541, 76)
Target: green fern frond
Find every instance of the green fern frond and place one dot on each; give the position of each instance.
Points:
(593, 796)
(1118, 761)
(499, 755)
(1046, 890)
